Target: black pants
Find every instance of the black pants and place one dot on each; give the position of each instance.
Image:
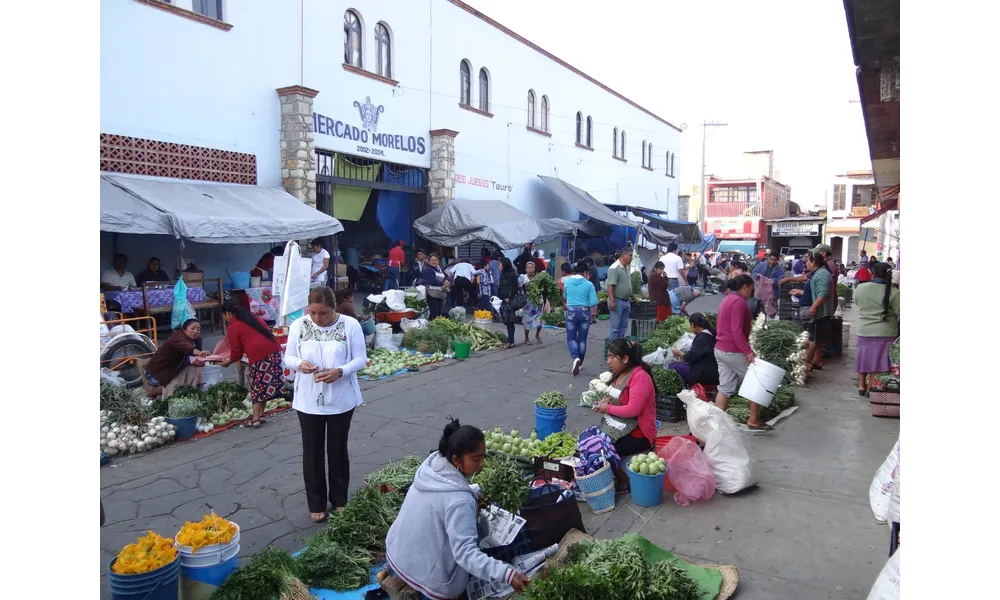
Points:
(510, 333)
(629, 445)
(463, 285)
(435, 306)
(324, 440)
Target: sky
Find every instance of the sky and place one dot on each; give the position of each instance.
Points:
(780, 72)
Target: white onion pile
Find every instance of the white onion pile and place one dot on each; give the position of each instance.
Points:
(119, 438)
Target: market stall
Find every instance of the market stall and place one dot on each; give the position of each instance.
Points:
(462, 221)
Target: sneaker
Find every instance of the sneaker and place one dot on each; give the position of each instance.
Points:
(576, 366)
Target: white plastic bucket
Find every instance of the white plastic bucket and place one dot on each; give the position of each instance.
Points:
(761, 382)
(254, 282)
(209, 556)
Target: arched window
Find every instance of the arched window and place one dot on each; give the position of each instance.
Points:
(644, 153)
(579, 128)
(465, 95)
(531, 108)
(614, 148)
(590, 129)
(484, 90)
(624, 157)
(545, 114)
(383, 51)
(649, 155)
(352, 39)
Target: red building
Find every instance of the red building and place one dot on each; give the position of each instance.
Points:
(736, 208)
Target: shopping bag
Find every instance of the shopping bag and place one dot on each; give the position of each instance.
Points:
(549, 516)
(182, 310)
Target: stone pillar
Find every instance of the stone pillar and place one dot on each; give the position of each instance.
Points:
(298, 145)
(442, 187)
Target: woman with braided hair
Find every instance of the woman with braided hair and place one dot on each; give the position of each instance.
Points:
(878, 324)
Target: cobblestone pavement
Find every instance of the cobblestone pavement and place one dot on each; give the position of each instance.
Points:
(805, 532)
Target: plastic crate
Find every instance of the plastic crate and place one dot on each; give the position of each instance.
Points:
(670, 409)
(641, 329)
(787, 310)
(643, 311)
(884, 404)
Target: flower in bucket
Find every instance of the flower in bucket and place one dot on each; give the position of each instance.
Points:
(148, 553)
(211, 530)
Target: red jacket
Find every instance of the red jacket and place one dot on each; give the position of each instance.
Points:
(638, 400)
(244, 339)
(396, 257)
(863, 275)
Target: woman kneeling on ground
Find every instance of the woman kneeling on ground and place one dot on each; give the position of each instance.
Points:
(698, 365)
(249, 334)
(732, 345)
(172, 365)
(433, 545)
(630, 408)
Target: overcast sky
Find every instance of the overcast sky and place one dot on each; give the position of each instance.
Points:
(779, 71)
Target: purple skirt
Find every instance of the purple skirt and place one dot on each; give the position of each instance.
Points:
(873, 354)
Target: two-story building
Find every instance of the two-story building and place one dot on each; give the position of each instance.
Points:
(853, 197)
(735, 210)
(371, 111)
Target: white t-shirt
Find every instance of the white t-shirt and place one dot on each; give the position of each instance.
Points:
(339, 345)
(317, 264)
(111, 277)
(464, 269)
(673, 264)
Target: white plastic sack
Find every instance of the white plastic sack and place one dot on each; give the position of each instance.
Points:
(395, 299)
(894, 497)
(725, 447)
(408, 324)
(111, 377)
(496, 303)
(660, 357)
(421, 292)
(887, 585)
(881, 487)
(383, 339)
(683, 344)
(211, 374)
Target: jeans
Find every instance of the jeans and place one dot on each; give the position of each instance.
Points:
(510, 334)
(618, 322)
(673, 283)
(392, 281)
(675, 303)
(577, 327)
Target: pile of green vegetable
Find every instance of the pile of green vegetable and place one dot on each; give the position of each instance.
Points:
(270, 575)
(602, 296)
(542, 287)
(648, 464)
(739, 407)
(127, 405)
(397, 475)
(712, 319)
(667, 382)
(781, 345)
(555, 317)
(382, 362)
(502, 482)
(414, 302)
(637, 284)
(667, 332)
(512, 445)
(439, 333)
(551, 400)
(611, 570)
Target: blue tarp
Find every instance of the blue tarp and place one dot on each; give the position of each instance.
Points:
(748, 248)
(393, 214)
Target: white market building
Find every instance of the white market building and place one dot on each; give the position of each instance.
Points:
(371, 110)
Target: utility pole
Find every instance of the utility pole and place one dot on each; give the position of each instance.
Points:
(704, 128)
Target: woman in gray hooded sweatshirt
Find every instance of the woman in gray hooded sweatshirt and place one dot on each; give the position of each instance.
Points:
(434, 543)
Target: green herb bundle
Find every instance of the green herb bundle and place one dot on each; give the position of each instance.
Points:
(428, 341)
(636, 283)
(668, 332)
(602, 296)
(183, 407)
(739, 407)
(540, 288)
(415, 303)
(219, 398)
(667, 382)
(127, 406)
(330, 565)
(397, 475)
(270, 575)
(551, 400)
(502, 482)
(554, 317)
(364, 521)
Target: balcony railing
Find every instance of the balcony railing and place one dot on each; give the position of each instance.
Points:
(728, 210)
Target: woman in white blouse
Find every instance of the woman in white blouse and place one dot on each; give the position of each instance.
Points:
(326, 350)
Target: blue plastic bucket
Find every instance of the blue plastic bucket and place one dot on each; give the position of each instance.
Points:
(199, 583)
(160, 584)
(368, 326)
(241, 280)
(186, 427)
(549, 421)
(647, 490)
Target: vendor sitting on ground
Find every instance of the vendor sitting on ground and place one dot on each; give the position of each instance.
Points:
(680, 297)
(698, 365)
(433, 545)
(171, 364)
(630, 408)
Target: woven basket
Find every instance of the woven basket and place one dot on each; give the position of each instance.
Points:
(884, 404)
(598, 488)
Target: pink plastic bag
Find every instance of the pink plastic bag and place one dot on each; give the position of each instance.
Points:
(688, 470)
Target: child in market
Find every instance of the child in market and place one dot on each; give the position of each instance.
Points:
(486, 284)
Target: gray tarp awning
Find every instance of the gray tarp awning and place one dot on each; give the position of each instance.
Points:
(121, 212)
(591, 207)
(219, 213)
(553, 228)
(691, 238)
(462, 221)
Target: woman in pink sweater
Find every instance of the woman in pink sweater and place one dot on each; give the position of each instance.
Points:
(732, 345)
(630, 406)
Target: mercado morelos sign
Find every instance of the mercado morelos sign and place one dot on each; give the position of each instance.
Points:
(362, 129)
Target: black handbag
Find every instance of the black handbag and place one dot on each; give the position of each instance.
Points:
(547, 519)
(519, 301)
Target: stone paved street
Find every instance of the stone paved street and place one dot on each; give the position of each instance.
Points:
(805, 532)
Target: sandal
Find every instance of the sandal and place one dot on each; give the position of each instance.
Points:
(863, 392)
(317, 517)
(254, 424)
(817, 367)
(760, 427)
